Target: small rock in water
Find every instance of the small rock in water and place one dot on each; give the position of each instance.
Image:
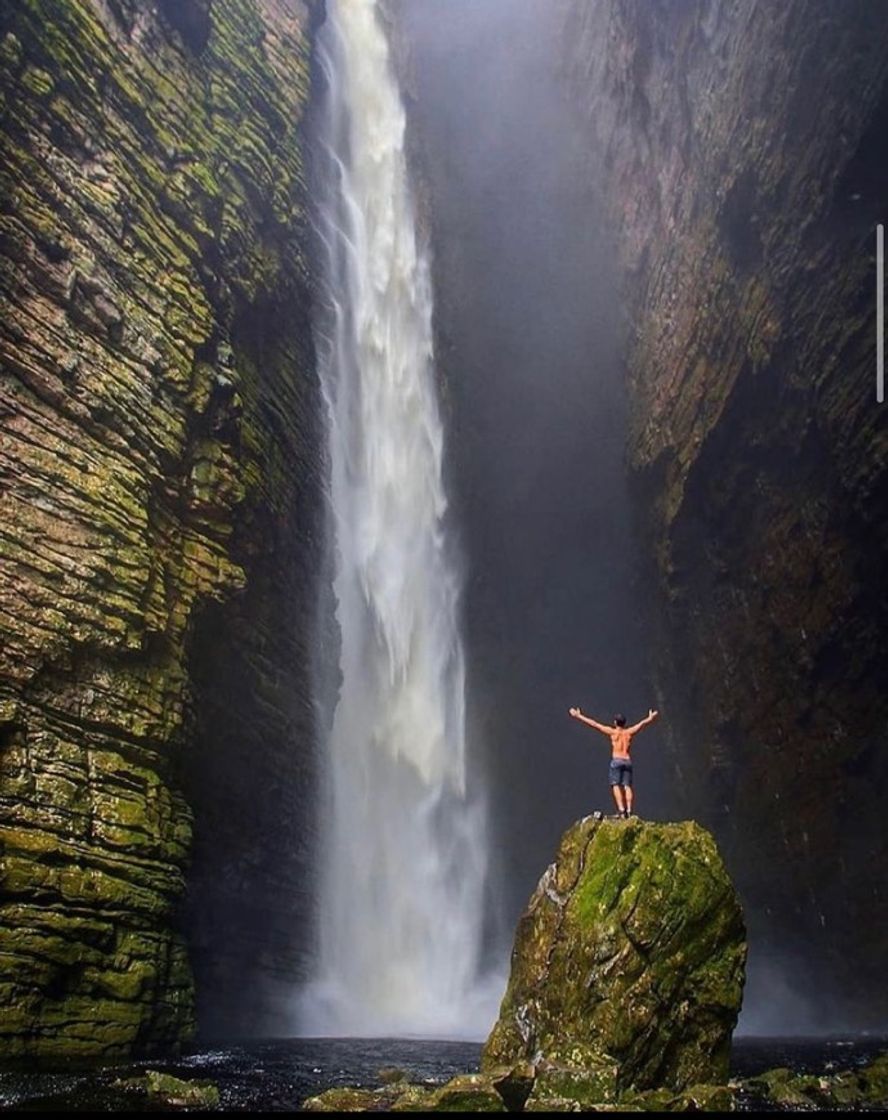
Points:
(864, 1088)
(388, 1075)
(345, 1100)
(469, 1092)
(173, 1092)
(413, 1098)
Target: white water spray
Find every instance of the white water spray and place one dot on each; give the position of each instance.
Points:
(404, 844)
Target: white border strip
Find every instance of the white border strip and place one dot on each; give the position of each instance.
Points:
(880, 313)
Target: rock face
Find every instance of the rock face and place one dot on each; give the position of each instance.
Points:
(628, 964)
(158, 453)
(743, 151)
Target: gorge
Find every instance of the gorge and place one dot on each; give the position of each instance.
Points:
(650, 230)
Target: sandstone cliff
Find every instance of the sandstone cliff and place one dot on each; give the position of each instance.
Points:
(742, 147)
(158, 453)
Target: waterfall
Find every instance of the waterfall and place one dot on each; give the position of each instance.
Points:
(403, 839)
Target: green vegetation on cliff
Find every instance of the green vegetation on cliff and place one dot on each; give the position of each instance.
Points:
(153, 205)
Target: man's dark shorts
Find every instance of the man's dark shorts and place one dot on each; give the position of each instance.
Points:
(620, 772)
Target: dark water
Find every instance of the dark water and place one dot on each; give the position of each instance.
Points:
(278, 1075)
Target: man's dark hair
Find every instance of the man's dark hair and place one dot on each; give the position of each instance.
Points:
(620, 721)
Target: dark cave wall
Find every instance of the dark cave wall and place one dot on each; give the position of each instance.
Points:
(159, 460)
(743, 146)
(249, 769)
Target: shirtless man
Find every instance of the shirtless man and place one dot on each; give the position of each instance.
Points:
(621, 764)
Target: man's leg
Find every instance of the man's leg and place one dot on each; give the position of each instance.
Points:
(629, 795)
(617, 791)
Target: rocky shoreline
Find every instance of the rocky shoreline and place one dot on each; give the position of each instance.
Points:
(538, 1089)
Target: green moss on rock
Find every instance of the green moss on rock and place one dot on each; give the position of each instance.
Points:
(155, 201)
(856, 1089)
(162, 1090)
(585, 1085)
(346, 1100)
(469, 1092)
(628, 963)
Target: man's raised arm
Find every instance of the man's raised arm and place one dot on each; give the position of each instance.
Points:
(649, 718)
(577, 714)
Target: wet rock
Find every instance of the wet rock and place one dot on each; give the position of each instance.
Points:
(554, 1104)
(583, 1087)
(172, 1092)
(699, 1098)
(177, 1093)
(628, 964)
(469, 1092)
(705, 1098)
(388, 1075)
(347, 1100)
(863, 1088)
(131, 495)
(465, 1093)
(872, 1080)
(413, 1098)
(514, 1085)
(789, 1090)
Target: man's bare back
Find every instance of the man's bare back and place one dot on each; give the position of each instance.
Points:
(621, 761)
(621, 741)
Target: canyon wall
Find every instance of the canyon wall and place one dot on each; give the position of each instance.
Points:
(159, 460)
(742, 146)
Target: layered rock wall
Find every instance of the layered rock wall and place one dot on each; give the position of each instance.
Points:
(158, 456)
(742, 146)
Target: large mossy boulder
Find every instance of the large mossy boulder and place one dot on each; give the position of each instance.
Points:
(631, 953)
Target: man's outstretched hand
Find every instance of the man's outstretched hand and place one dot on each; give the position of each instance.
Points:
(576, 713)
(652, 713)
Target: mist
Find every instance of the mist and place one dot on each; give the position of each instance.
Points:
(532, 334)
(529, 335)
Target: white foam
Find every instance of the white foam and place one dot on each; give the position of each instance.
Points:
(405, 840)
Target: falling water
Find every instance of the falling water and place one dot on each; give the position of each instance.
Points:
(403, 840)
